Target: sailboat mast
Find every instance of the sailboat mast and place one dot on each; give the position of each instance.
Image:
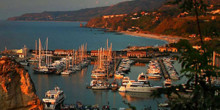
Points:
(39, 53)
(35, 49)
(86, 51)
(107, 44)
(73, 57)
(46, 51)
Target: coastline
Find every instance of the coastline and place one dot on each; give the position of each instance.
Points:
(168, 38)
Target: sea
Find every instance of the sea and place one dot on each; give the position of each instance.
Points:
(69, 35)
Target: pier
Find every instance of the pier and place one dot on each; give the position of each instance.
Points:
(164, 70)
(116, 65)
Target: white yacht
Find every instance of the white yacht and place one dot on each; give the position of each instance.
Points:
(119, 74)
(53, 98)
(125, 81)
(154, 76)
(139, 87)
(66, 72)
(42, 69)
(167, 83)
(100, 85)
(99, 73)
(142, 77)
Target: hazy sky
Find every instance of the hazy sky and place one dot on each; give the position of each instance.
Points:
(10, 8)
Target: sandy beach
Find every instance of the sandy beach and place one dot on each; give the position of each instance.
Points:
(168, 38)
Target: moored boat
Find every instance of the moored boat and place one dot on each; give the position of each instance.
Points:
(99, 73)
(167, 83)
(114, 86)
(119, 74)
(66, 72)
(125, 81)
(53, 98)
(154, 76)
(100, 85)
(24, 63)
(142, 77)
(139, 87)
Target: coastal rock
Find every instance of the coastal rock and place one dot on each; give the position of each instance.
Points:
(17, 91)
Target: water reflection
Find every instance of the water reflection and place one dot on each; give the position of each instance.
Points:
(139, 64)
(101, 97)
(135, 96)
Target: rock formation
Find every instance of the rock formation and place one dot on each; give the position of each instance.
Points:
(17, 91)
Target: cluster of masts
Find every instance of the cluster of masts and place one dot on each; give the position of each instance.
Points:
(78, 59)
(102, 65)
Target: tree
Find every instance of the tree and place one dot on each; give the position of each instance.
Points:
(190, 6)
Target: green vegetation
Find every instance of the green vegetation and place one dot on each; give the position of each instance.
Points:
(168, 19)
(166, 24)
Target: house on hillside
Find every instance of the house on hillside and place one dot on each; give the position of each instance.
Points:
(168, 49)
(192, 36)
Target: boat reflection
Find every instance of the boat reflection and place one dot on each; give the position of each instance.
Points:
(140, 64)
(101, 97)
(135, 96)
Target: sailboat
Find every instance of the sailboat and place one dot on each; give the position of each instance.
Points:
(67, 71)
(99, 71)
(40, 69)
(34, 59)
(43, 69)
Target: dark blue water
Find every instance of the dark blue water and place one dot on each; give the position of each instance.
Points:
(64, 35)
(68, 35)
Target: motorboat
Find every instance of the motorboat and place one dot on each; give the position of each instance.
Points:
(66, 72)
(98, 73)
(24, 63)
(142, 77)
(114, 86)
(53, 98)
(101, 85)
(167, 83)
(154, 76)
(119, 74)
(125, 81)
(42, 69)
(139, 87)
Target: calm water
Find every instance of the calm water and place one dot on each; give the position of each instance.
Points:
(64, 35)
(68, 35)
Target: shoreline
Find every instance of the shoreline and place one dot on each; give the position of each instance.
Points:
(168, 38)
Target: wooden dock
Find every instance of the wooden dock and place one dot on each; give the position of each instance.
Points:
(164, 70)
(117, 63)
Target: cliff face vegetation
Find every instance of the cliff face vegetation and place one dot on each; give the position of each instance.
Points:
(17, 90)
(168, 22)
(168, 19)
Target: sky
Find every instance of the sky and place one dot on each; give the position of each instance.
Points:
(11, 8)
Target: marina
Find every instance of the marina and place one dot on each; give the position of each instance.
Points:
(74, 84)
(110, 55)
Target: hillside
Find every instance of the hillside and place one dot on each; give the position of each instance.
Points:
(86, 14)
(168, 20)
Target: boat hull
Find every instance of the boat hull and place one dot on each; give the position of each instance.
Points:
(100, 87)
(141, 89)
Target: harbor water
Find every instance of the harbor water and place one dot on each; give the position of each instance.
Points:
(69, 35)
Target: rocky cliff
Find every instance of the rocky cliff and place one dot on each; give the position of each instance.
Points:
(17, 90)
